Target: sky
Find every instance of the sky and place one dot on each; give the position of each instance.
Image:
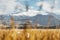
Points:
(17, 7)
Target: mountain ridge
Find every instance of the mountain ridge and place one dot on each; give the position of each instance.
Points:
(42, 19)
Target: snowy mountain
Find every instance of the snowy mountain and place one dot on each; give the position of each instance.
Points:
(42, 19)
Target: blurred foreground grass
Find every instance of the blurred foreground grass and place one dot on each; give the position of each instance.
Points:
(30, 34)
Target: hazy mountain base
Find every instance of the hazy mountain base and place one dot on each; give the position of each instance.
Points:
(42, 19)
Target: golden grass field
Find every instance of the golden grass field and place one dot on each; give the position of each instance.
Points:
(30, 34)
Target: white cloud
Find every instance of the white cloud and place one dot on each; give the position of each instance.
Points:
(57, 11)
(46, 6)
(39, 3)
(30, 13)
(20, 5)
(24, 0)
(56, 2)
(7, 6)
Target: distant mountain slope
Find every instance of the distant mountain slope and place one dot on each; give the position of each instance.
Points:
(42, 19)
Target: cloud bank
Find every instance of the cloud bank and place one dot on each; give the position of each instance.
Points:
(9, 7)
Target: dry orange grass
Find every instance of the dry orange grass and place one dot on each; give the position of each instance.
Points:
(30, 34)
